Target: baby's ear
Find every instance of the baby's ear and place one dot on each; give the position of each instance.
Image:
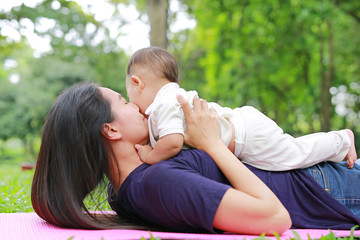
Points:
(111, 133)
(139, 82)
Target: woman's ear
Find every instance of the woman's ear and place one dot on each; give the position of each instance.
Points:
(139, 83)
(108, 131)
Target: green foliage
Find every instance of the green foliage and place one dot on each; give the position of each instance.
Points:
(69, 19)
(273, 55)
(75, 56)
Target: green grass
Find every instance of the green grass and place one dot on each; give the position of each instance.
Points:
(15, 189)
(15, 186)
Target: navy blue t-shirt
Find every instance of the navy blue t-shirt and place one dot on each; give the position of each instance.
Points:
(184, 192)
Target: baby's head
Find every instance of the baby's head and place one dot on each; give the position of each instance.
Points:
(149, 69)
(155, 59)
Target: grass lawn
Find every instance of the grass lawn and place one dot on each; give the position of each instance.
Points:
(15, 186)
(15, 189)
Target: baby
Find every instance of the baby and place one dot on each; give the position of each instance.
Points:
(152, 84)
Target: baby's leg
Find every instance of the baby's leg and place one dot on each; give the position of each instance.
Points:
(351, 156)
(267, 147)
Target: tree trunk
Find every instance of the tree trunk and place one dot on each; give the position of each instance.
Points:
(306, 75)
(157, 12)
(327, 79)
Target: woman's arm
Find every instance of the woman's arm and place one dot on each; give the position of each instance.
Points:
(250, 206)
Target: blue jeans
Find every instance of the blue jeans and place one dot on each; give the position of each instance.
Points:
(341, 183)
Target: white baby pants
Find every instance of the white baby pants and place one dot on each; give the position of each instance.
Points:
(260, 142)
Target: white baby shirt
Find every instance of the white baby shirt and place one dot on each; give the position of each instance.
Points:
(166, 115)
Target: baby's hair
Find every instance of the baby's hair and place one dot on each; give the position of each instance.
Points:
(157, 59)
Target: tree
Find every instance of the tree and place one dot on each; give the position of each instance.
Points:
(157, 12)
(283, 57)
(74, 57)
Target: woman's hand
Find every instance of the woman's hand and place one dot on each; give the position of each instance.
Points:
(250, 206)
(202, 127)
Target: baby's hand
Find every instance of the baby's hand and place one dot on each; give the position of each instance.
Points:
(143, 150)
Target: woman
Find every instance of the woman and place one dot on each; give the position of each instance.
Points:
(92, 131)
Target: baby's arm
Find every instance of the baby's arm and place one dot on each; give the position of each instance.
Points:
(167, 147)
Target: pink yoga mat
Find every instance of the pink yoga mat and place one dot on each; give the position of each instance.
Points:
(18, 226)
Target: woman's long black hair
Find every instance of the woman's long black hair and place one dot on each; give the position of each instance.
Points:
(73, 157)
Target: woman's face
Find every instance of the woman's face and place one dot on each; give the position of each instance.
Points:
(132, 125)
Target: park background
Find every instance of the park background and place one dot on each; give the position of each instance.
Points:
(298, 61)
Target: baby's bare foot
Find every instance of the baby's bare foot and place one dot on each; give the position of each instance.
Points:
(351, 156)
